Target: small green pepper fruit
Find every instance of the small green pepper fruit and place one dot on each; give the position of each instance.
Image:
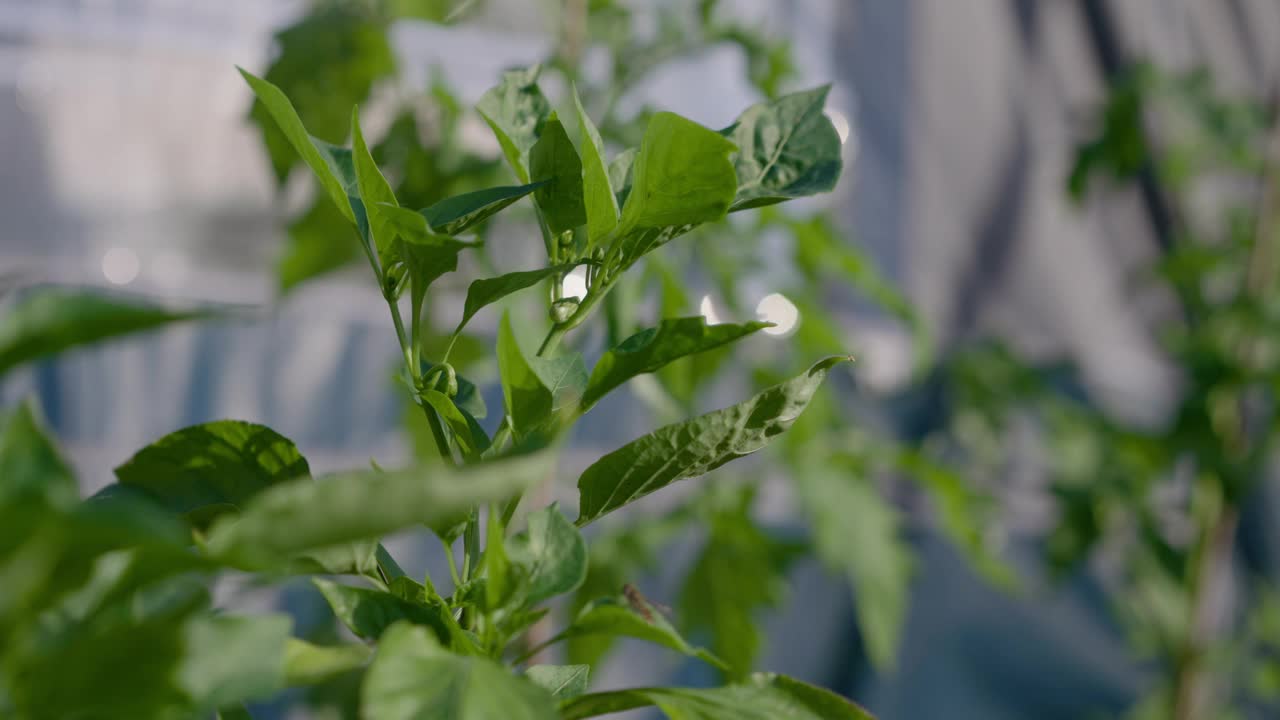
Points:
(563, 309)
(442, 378)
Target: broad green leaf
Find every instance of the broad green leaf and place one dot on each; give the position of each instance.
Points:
(564, 682)
(740, 571)
(307, 664)
(682, 176)
(205, 470)
(316, 154)
(651, 349)
(554, 162)
(515, 109)
(764, 697)
(634, 617)
(51, 320)
(306, 515)
(231, 659)
(375, 193)
(565, 377)
(551, 555)
(788, 148)
(859, 534)
(368, 612)
(413, 678)
(486, 291)
(457, 214)
(601, 204)
(470, 436)
(622, 174)
(539, 391)
(695, 447)
(30, 466)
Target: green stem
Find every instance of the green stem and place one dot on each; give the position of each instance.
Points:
(453, 563)
(559, 330)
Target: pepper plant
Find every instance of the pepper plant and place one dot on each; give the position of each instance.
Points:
(105, 609)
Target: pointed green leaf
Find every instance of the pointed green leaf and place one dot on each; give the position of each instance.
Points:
(554, 162)
(315, 153)
(368, 612)
(539, 392)
(487, 291)
(470, 436)
(51, 320)
(695, 447)
(299, 516)
(683, 175)
(500, 580)
(601, 203)
(457, 214)
(375, 193)
(765, 697)
(634, 618)
(649, 350)
(551, 555)
(788, 148)
(413, 678)
(622, 173)
(515, 110)
(31, 467)
(307, 664)
(562, 681)
(205, 470)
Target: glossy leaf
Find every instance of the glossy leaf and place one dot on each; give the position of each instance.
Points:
(554, 162)
(601, 204)
(486, 291)
(31, 468)
(765, 697)
(413, 678)
(649, 350)
(318, 155)
(634, 618)
(551, 555)
(695, 447)
(562, 681)
(300, 516)
(51, 320)
(515, 111)
(368, 612)
(205, 470)
(788, 148)
(457, 214)
(682, 176)
(375, 193)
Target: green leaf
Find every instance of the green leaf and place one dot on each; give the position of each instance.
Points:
(515, 110)
(468, 399)
(765, 697)
(368, 613)
(858, 533)
(231, 659)
(601, 204)
(205, 470)
(375, 193)
(554, 162)
(649, 350)
(459, 213)
(500, 581)
(487, 291)
(306, 515)
(739, 572)
(682, 175)
(636, 618)
(539, 392)
(307, 664)
(788, 148)
(622, 174)
(551, 555)
(318, 155)
(564, 682)
(413, 678)
(51, 320)
(30, 466)
(695, 447)
(470, 436)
